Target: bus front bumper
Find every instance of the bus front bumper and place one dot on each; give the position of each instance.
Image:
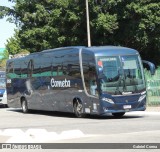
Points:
(123, 107)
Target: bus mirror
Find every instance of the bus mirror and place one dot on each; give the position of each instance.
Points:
(150, 65)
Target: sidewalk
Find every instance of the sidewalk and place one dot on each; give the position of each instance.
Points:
(153, 109)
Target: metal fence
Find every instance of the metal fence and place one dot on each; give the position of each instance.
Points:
(153, 88)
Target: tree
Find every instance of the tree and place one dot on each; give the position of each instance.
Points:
(13, 44)
(55, 23)
(139, 27)
(5, 56)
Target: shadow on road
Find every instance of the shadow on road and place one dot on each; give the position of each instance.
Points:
(3, 106)
(71, 115)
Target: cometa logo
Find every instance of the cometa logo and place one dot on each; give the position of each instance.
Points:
(64, 83)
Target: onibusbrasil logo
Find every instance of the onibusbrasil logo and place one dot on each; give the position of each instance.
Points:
(59, 83)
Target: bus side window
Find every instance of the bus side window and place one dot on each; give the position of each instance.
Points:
(30, 68)
(17, 69)
(60, 70)
(54, 70)
(10, 69)
(89, 72)
(47, 67)
(24, 69)
(36, 67)
(92, 82)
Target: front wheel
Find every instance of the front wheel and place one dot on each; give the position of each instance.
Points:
(118, 115)
(24, 106)
(78, 109)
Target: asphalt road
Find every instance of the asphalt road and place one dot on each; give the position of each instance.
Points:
(54, 127)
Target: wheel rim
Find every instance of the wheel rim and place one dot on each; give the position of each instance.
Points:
(24, 108)
(78, 108)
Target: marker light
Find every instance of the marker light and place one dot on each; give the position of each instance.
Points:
(108, 100)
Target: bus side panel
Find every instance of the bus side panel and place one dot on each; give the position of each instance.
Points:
(15, 89)
(34, 93)
(66, 79)
(67, 95)
(49, 81)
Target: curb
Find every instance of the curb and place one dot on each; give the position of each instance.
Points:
(153, 109)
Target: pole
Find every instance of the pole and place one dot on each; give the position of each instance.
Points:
(88, 26)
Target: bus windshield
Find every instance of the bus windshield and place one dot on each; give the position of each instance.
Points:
(121, 74)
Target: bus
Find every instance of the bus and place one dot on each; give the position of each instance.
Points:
(80, 80)
(3, 94)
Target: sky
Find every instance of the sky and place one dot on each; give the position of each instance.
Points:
(6, 28)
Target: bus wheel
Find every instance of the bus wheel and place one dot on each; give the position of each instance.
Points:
(24, 106)
(78, 109)
(118, 115)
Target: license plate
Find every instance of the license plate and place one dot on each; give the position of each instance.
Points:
(127, 107)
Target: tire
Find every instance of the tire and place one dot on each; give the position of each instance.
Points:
(118, 115)
(24, 106)
(78, 109)
(5, 106)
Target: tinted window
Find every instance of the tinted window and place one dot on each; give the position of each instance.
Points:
(89, 71)
(17, 68)
(46, 67)
(10, 68)
(24, 68)
(37, 62)
(71, 66)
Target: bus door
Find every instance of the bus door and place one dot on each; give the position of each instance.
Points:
(90, 82)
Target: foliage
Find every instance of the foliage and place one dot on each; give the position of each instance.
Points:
(45, 24)
(13, 44)
(5, 56)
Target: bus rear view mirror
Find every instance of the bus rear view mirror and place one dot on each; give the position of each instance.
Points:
(149, 66)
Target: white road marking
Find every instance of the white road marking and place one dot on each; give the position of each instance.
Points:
(39, 135)
(143, 113)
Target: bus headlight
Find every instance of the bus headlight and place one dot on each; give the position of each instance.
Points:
(141, 98)
(108, 100)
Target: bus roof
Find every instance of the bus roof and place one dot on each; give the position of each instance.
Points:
(100, 50)
(97, 50)
(112, 50)
(64, 48)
